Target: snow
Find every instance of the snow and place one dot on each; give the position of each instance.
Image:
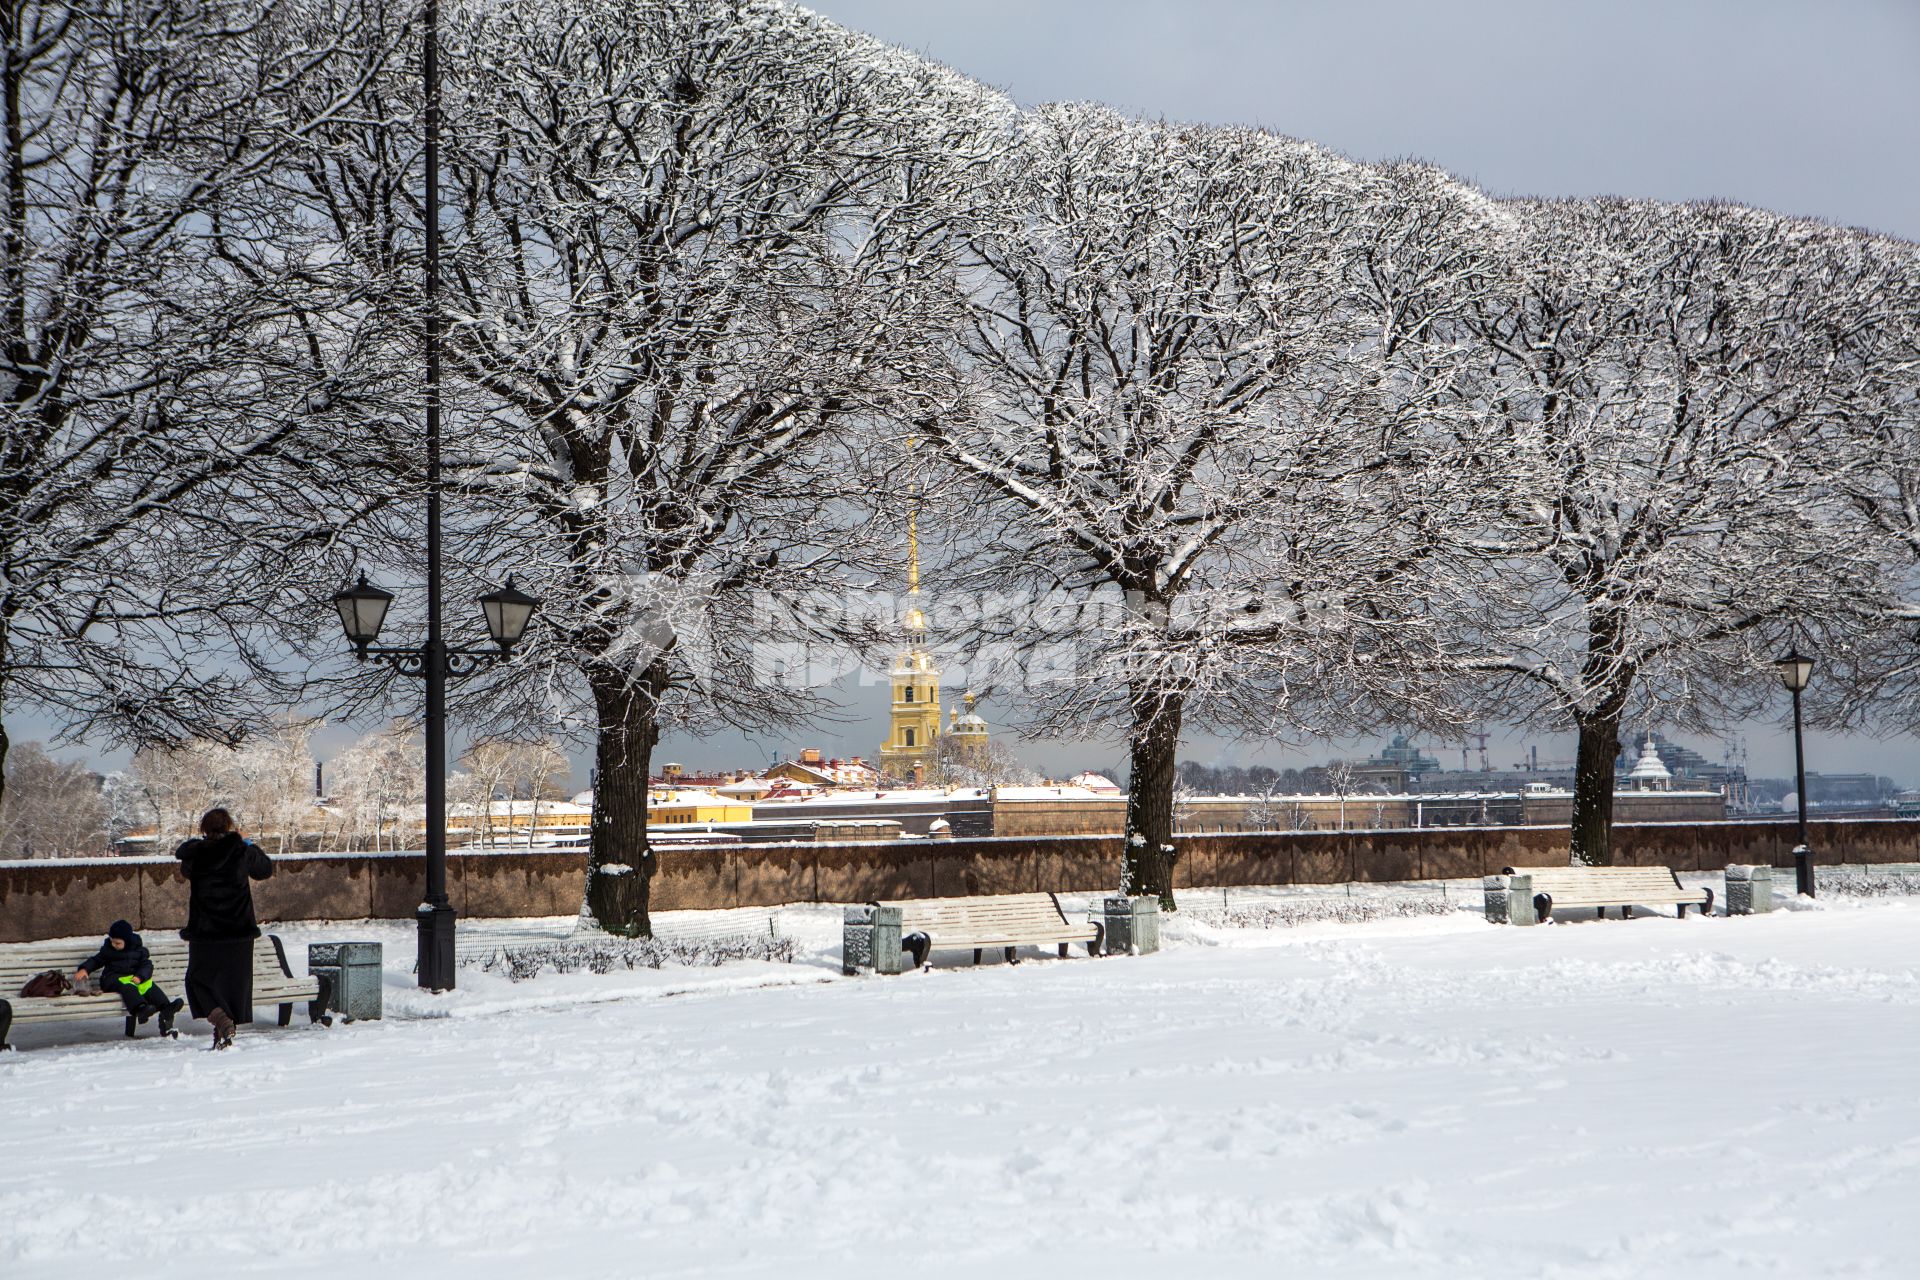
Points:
(1431, 1096)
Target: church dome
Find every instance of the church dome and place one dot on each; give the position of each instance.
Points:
(967, 722)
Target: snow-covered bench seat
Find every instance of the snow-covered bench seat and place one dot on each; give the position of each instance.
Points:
(273, 982)
(1603, 887)
(1006, 922)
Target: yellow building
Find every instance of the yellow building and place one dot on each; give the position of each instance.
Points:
(914, 714)
(686, 804)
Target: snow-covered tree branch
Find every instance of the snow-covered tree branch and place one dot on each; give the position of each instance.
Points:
(176, 382)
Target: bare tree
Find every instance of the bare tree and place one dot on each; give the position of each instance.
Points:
(1655, 504)
(267, 782)
(513, 772)
(51, 808)
(674, 238)
(1340, 777)
(179, 783)
(377, 782)
(1874, 460)
(126, 806)
(488, 764)
(269, 779)
(1164, 430)
(171, 412)
(539, 772)
(954, 762)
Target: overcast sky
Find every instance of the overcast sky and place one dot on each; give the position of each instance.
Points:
(1805, 106)
(1809, 107)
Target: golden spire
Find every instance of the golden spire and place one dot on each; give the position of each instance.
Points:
(913, 548)
(914, 718)
(915, 620)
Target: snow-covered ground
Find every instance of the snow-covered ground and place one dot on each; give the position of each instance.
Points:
(1423, 1097)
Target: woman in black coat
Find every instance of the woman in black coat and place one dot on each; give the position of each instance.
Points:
(220, 926)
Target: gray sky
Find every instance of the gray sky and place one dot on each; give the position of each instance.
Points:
(1804, 106)
(1809, 107)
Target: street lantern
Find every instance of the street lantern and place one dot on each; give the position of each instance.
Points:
(508, 611)
(1796, 669)
(363, 608)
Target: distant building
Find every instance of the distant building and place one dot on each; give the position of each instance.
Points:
(1554, 807)
(1692, 771)
(676, 775)
(669, 806)
(968, 731)
(525, 823)
(968, 811)
(1398, 767)
(814, 769)
(1648, 773)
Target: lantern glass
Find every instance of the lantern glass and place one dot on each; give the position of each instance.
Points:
(363, 610)
(508, 611)
(1795, 669)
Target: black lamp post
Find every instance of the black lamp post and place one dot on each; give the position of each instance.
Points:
(363, 608)
(1796, 669)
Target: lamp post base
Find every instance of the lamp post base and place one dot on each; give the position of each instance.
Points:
(1803, 871)
(436, 963)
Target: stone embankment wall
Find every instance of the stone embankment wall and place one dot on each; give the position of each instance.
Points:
(59, 898)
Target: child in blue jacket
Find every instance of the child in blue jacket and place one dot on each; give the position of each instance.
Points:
(126, 971)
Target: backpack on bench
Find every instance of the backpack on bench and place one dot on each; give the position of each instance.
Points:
(45, 986)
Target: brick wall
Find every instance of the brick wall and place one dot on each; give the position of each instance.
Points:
(58, 898)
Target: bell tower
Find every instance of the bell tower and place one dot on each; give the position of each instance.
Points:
(914, 715)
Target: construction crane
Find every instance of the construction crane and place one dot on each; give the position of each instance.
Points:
(1479, 740)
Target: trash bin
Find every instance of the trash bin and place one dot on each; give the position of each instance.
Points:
(870, 939)
(1749, 889)
(352, 970)
(1132, 925)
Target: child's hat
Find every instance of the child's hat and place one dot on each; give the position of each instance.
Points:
(120, 929)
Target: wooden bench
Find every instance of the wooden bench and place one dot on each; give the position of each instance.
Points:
(1603, 887)
(273, 982)
(1006, 922)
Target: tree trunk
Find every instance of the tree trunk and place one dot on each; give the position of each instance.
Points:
(1593, 783)
(1152, 751)
(5, 742)
(619, 861)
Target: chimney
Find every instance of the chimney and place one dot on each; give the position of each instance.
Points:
(810, 755)
(319, 781)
